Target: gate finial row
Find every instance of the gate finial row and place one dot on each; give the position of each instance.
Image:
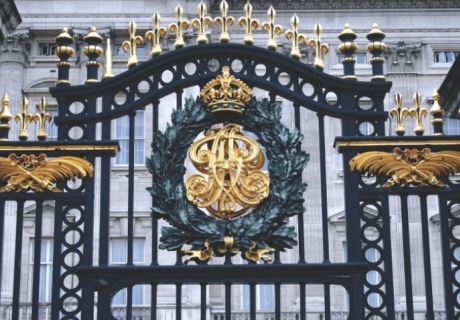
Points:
(23, 118)
(348, 47)
(418, 113)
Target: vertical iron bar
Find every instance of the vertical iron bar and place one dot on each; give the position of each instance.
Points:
(426, 258)
(178, 301)
(37, 258)
(203, 301)
(252, 301)
(56, 285)
(154, 262)
(324, 210)
(17, 260)
(446, 257)
(300, 217)
(132, 126)
(407, 259)
(228, 301)
(327, 301)
(153, 301)
(2, 233)
(387, 254)
(179, 99)
(129, 303)
(303, 309)
(277, 300)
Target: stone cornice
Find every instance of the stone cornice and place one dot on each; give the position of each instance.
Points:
(9, 17)
(342, 4)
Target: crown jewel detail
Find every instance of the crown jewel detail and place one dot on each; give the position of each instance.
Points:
(226, 93)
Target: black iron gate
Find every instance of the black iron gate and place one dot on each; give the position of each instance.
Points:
(85, 280)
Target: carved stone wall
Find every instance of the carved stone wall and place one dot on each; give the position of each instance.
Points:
(9, 17)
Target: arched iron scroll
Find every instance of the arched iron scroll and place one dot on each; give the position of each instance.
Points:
(258, 67)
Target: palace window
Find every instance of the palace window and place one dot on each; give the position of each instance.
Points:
(46, 269)
(451, 126)
(445, 56)
(265, 296)
(122, 135)
(361, 58)
(47, 48)
(141, 51)
(119, 256)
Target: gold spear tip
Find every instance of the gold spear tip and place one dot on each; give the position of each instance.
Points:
(376, 31)
(92, 34)
(64, 35)
(347, 31)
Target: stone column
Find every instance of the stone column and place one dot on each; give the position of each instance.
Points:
(13, 59)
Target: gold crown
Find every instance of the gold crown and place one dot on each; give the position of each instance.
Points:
(226, 93)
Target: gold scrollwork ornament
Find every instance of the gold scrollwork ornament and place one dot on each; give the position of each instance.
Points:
(409, 166)
(36, 173)
(233, 162)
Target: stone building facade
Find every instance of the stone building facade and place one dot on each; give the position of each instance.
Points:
(422, 38)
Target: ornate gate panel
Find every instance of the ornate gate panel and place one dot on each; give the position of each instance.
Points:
(208, 230)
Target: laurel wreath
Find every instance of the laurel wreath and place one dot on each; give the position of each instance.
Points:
(266, 226)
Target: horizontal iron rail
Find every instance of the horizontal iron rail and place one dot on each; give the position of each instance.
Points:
(312, 273)
(60, 148)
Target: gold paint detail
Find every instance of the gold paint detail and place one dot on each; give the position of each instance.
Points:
(199, 255)
(42, 117)
(178, 26)
(5, 114)
(201, 23)
(224, 21)
(23, 118)
(248, 22)
(418, 113)
(156, 34)
(296, 37)
(37, 148)
(347, 36)
(226, 93)
(400, 114)
(272, 28)
(232, 163)
(409, 166)
(255, 254)
(29, 172)
(437, 113)
(108, 61)
(132, 44)
(228, 246)
(320, 47)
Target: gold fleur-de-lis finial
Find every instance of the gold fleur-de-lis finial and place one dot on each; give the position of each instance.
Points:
(178, 26)
(249, 23)
(155, 34)
(272, 28)
(23, 118)
(297, 38)
(42, 117)
(418, 113)
(132, 44)
(201, 23)
(400, 114)
(320, 47)
(224, 21)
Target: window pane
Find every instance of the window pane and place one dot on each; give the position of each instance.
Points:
(122, 135)
(118, 251)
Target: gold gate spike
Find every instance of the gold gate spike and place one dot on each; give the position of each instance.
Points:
(132, 44)
(23, 118)
(178, 26)
(249, 23)
(400, 114)
(155, 34)
(224, 21)
(201, 23)
(297, 38)
(42, 117)
(5, 117)
(29, 172)
(320, 47)
(418, 113)
(272, 28)
(408, 167)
